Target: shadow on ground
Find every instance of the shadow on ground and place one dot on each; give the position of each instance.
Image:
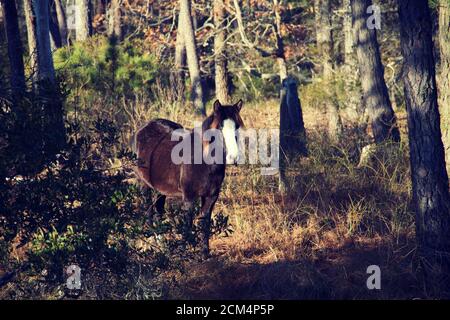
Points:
(338, 273)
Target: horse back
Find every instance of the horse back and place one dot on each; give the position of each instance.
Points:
(153, 149)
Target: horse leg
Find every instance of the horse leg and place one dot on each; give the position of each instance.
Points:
(188, 208)
(158, 206)
(204, 222)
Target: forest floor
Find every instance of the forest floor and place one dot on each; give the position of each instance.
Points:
(318, 241)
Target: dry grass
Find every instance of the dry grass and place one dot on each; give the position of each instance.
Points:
(318, 241)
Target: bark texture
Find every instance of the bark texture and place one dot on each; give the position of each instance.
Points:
(324, 38)
(354, 103)
(429, 178)
(375, 92)
(220, 58)
(192, 57)
(30, 20)
(47, 102)
(15, 50)
(280, 54)
(115, 20)
(180, 62)
(54, 28)
(292, 129)
(83, 29)
(444, 76)
(62, 23)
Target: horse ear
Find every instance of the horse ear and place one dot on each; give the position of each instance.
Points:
(217, 106)
(239, 105)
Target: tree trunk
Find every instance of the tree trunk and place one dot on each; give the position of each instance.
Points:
(325, 44)
(180, 61)
(292, 130)
(349, 43)
(45, 68)
(54, 29)
(115, 20)
(62, 24)
(30, 21)
(444, 79)
(46, 88)
(354, 105)
(220, 58)
(280, 55)
(378, 104)
(429, 178)
(192, 57)
(15, 50)
(83, 20)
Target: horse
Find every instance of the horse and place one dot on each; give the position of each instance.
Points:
(193, 179)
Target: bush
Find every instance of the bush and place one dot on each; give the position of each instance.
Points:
(101, 65)
(82, 210)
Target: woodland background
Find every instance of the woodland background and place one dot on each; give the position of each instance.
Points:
(78, 78)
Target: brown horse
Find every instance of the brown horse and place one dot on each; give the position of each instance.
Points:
(194, 178)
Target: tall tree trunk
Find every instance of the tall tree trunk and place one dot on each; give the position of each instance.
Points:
(220, 58)
(280, 55)
(292, 130)
(180, 61)
(115, 20)
(54, 28)
(15, 50)
(349, 43)
(354, 102)
(429, 178)
(444, 77)
(45, 68)
(62, 23)
(83, 28)
(192, 57)
(376, 96)
(325, 44)
(46, 87)
(30, 20)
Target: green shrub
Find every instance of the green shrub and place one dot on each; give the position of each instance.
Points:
(101, 65)
(81, 210)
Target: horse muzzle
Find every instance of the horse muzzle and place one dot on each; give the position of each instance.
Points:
(232, 160)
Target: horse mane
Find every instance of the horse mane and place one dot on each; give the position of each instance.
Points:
(209, 122)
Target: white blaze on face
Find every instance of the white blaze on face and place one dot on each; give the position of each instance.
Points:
(229, 135)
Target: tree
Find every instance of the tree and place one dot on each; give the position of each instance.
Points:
(83, 20)
(444, 83)
(30, 21)
(352, 89)
(54, 29)
(45, 84)
(192, 57)
(292, 130)
(115, 20)
(429, 178)
(375, 92)
(280, 54)
(220, 58)
(324, 37)
(180, 60)
(15, 50)
(62, 23)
